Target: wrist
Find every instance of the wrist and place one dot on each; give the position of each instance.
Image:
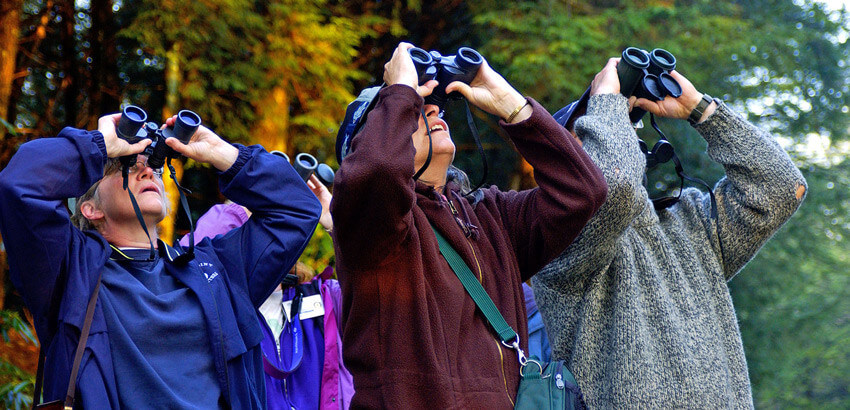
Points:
(225, 158)
(702, 109)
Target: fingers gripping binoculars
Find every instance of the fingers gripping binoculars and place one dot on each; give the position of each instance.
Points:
(306, 165)
(445, 69)
(133, 127)
(647, 75)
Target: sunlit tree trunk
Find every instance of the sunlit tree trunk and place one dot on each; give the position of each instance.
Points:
(10, 15)
(104, 85)
(272, 129)
(172, 98)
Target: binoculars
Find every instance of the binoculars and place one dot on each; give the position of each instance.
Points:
(445, 69)
(306, 165)
(647, 75)
(133, 127)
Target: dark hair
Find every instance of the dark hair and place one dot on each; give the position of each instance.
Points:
(459, 177)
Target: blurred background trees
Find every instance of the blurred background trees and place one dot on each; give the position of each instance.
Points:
(280, 73)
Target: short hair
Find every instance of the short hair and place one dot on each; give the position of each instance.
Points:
(112, 166)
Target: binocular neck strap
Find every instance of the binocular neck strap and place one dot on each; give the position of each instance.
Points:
(190, 254)
(474, 130)
(680, 171)
(125, 173)
(430, 147)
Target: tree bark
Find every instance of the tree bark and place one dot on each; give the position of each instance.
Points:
(104, 86)
(10, 31)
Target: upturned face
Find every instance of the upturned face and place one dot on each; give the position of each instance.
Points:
(147, 187)
(441, 140)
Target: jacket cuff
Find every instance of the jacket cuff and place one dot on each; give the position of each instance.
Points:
(241, 160)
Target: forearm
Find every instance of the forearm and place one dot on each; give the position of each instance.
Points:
(762, 187)
(284, 215)
(374, 187)
(543, 221)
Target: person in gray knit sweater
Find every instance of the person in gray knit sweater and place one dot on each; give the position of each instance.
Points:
(638, 306)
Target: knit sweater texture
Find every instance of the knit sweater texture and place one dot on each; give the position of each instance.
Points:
(638, 305)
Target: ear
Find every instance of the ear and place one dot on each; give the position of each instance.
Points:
(90, 211)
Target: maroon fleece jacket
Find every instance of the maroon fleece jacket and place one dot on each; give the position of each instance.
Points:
(412, 337)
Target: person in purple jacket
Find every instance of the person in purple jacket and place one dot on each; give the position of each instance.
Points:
(319, 380)
(167, 332)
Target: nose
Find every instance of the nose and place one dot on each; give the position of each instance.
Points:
(431, 109)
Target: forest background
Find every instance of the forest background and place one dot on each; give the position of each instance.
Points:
(281, 72)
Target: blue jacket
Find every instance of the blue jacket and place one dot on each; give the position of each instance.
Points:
(55, 266)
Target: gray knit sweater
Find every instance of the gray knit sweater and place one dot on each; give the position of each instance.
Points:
(638, 305)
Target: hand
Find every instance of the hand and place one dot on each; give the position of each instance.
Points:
(490, 92)
(606, 81)
(324, 196)
(400, 70)
(676, 107)
(205, 146)
(116, 146)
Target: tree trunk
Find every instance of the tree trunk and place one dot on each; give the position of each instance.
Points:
(104, 86)
(172, 99)
(10, 30)
(70, 85)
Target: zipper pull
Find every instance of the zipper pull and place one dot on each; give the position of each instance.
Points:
(559, 381)
(459, 221)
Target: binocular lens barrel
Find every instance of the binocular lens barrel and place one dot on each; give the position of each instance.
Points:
(186, 124)
(280, 154)
(325, 174)
(305, 164)
(420, 56)
(132, 119)
(662, 59)
(468, 58)
(635, 57)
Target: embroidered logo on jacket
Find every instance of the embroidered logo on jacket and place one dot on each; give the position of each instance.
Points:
(209, 270)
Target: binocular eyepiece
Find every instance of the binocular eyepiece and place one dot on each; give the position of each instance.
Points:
(306, 165)
(445, 69)
(133, 127)
(647, 75)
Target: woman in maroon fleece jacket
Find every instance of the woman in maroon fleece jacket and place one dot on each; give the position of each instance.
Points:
(412, 337)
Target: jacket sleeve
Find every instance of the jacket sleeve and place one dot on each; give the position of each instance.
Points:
(758, 194)
(284, 214)
(611, 142)
(41, 243)
(374, 188)
(541, 222)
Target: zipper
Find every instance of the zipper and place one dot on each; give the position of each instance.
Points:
(459, 221)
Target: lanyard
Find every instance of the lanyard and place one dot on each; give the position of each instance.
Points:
(282, 365)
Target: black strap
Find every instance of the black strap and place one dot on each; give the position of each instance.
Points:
(430, 148)
(474, 130)
(125, 174)
(190, 254)
(78, 356)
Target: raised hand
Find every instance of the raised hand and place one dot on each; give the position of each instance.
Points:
(490, 92)
(115, 146)
(205, 146)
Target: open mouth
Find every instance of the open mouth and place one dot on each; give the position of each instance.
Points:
(149, 188)
(437, 127)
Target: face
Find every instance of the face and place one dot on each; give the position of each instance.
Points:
(146, 186)
(441, 141)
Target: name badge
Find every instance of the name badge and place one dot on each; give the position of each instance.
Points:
(311, 306)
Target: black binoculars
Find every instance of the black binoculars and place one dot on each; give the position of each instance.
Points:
(133, 127)
(306, 165)
(647, 75)
(445, 69)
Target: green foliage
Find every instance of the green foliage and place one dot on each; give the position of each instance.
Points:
(793, 301)
(16, 385)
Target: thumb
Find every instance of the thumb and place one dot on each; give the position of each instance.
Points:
(426, 89)
(461, 87)
(178, 146)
